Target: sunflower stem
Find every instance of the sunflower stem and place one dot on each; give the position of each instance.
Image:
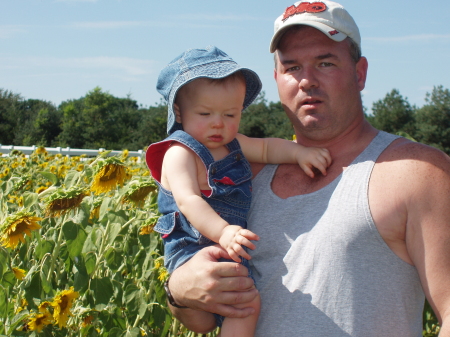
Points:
(56, 253)
(175, 327)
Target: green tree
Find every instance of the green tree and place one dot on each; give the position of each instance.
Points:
(433, 119)
(9, 106)
(393, 114)
(39, 123)
(152, 126)
(98, 120)
(262, 119)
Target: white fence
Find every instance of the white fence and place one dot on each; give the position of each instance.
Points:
(66, 151)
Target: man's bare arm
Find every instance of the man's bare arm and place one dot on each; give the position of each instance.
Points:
(207, 286)
(427, 201)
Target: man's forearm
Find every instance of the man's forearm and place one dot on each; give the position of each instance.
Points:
(195, 320)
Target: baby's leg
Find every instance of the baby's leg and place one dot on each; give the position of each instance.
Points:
(242, 327)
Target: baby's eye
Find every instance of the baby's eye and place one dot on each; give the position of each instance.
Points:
(204, 113)
(230, 115)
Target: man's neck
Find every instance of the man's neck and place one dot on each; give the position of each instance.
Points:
(351, 142)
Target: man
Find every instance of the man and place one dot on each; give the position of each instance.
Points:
(351, 253)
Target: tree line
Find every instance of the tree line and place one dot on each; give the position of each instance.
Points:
(100, 120)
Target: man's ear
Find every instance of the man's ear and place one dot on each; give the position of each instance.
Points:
(361, 72)
(177, 113)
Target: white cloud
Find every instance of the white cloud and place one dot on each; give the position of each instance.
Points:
(76, 0)
(125, 67)
(419, 37)
(214, 17)
(10, 31)
(109, 24)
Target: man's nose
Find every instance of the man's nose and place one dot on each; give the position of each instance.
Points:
(308, 80)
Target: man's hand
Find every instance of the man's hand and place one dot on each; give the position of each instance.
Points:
(233, 238)
(204, 284)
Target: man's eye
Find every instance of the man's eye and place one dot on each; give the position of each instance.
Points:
(326, 64)
(204, 113)
(292, 69)
(229, 115)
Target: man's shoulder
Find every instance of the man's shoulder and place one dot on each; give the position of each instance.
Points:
(413, 159)
(403, 149)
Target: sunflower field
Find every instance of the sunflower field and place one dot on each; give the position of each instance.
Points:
(78, 256)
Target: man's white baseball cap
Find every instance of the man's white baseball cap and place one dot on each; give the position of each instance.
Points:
(327, 16)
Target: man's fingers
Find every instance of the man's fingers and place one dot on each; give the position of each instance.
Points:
(237, 297)
(232, 270)
(230, 311)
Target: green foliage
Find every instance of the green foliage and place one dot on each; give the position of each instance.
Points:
(100, 251)
(152, 126)
(265, 120)
(393, 114)
(429, 124)
(98, 120)
(9, 107)
(433, 120)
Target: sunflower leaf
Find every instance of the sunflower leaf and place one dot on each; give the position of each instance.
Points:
(49, 176)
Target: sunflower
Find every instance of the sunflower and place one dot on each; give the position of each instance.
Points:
(62, 201)
(16, 226)
(39, 320)
(61, 305)
(163, 274)
(43, 307)
(79, 167)
(41, 150)
(147, 228)
(124, 154)
(87, 321)
(95, 212)
(23, 305)
(62, 170)
(138, 191)
(41, 189)
(110, 172)
(19, 273)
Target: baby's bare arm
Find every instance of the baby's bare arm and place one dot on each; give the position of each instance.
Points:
(281, 151)
(180, 171)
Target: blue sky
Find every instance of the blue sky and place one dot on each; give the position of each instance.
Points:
(56, 50)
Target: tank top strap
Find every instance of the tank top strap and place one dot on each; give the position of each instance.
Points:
(381, 141)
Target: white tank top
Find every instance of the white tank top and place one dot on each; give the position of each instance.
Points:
(322, 267)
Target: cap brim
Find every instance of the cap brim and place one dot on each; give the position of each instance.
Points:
(315, 24)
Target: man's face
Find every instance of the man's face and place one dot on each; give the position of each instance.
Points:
(319, 84)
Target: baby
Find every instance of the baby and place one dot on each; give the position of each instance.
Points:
(203, 168)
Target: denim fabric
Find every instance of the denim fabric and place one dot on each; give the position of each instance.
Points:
(230, 196)
(210, 62)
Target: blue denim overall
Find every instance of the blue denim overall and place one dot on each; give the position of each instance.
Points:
(230, 196)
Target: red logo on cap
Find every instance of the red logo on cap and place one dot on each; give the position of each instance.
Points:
(333, 32)
(308, 7)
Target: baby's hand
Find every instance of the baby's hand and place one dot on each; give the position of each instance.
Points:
(308, 157)
(233, 238)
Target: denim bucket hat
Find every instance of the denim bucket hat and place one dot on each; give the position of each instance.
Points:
(210, 62)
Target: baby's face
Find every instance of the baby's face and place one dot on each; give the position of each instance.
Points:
(211, 112)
